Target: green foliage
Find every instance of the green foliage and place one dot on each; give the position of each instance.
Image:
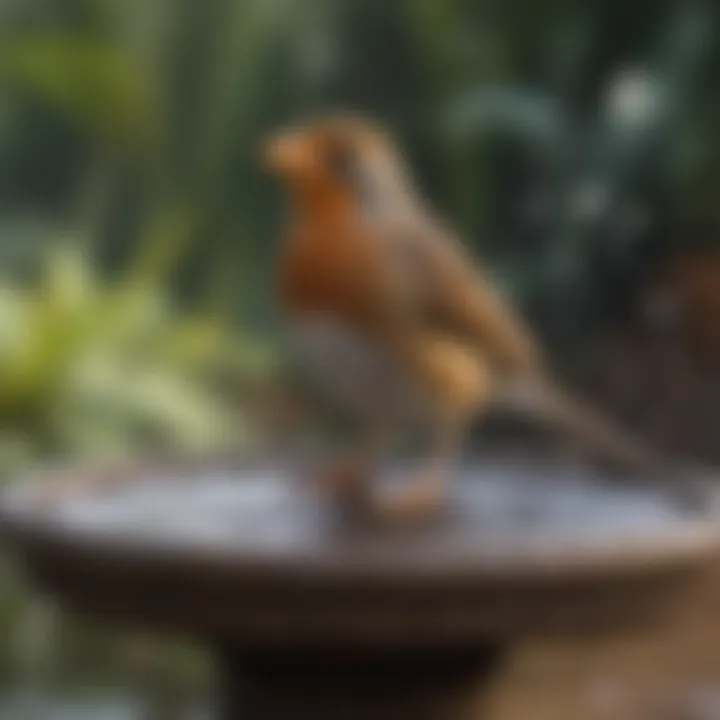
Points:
(91, 368)
(89, 81)
(166, 95)
(597, 175)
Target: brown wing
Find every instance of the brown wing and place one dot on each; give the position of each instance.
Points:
(444, 290)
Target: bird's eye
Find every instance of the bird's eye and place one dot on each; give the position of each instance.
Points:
(347, 168)
(341, 162)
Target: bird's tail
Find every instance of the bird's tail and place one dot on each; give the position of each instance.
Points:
(549, 405)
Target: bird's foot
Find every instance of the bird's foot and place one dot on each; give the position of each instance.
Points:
(346, 480)
(421, 501)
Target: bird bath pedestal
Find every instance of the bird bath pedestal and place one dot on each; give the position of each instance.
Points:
(313, 618)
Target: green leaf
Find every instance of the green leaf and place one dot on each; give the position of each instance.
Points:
(530, 115)
(92, 82)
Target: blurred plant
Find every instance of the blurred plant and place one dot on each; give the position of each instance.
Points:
(166, 96)
(92, 368)
(589, 181)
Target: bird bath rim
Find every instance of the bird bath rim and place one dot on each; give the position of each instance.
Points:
(689, 540)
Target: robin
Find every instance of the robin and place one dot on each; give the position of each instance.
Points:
(392, 317)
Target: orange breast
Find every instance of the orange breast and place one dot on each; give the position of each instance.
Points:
(332, 272)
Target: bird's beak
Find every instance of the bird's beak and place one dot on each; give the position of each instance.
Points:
(285, 153)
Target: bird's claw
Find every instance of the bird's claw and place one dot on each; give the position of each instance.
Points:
(345, 480)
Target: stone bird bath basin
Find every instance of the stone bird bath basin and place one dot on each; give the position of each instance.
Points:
(312, 617)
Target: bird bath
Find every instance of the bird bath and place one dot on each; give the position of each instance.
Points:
(313, 617)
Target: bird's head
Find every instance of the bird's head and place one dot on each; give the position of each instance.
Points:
(341, 151)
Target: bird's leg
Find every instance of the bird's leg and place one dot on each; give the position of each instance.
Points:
(348, 479)
(426, 494)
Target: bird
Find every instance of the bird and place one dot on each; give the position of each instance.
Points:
(393, 319)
